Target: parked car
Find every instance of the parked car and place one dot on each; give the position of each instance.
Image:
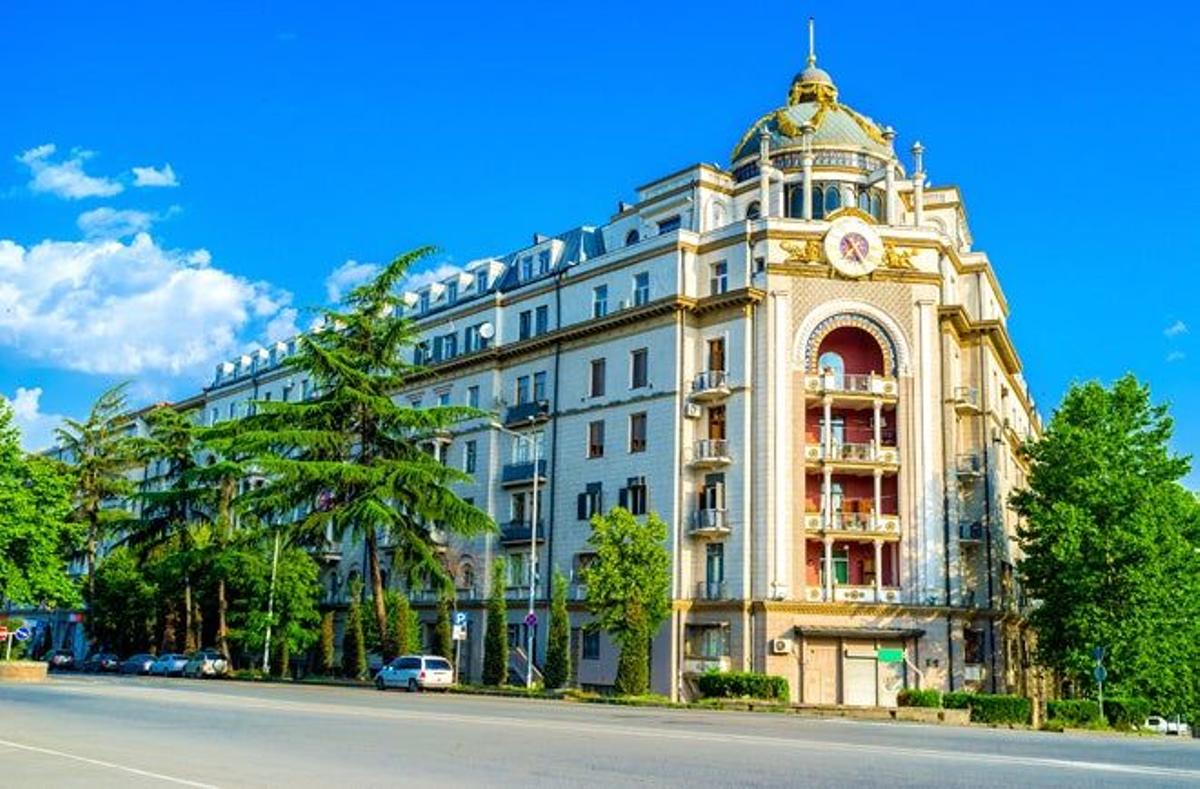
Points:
(206, 663)
(101, 661)
(416, 672)
(137, 664)
(61, 660)
(1162, 725)
(168, 665)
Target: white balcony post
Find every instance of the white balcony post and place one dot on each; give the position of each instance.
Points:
(828, 568)
(827, 497)
(827, 428)
(876, 516)
(878, 570)
(878, 427)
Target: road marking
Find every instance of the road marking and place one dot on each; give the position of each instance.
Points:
(229, 700)
(110, 765)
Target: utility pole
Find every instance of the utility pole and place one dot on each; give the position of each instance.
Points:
(266, 664)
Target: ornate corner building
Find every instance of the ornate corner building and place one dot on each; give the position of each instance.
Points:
(798, 361)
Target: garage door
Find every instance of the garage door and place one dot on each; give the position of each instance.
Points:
(860, 681)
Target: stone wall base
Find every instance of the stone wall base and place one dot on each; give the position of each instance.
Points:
(22, 671)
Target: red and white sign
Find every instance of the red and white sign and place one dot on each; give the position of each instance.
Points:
(3, 632)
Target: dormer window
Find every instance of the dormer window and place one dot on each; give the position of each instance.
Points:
(632, 237)
(669, 224)
(544, 262)
(754, 210)
(526, 268)
(481, 280)
(423, 302)
(452, 291)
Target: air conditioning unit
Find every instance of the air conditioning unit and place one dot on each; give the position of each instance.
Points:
(622, 304)
(781, 646)
(692, 410)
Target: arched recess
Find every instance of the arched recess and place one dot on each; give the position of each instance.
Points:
(848, 313)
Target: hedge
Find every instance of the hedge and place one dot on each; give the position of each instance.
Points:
(1126, 713)
(1074, 712)
(989, 708)
(910, 697)
(957, 700)
(743, 684)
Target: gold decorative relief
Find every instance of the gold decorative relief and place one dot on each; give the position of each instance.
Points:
(894, 257)
(809, 251)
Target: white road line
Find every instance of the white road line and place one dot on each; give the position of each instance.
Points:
(227, 700)
(110, 765)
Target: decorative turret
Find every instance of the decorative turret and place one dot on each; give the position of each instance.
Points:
(812, 84)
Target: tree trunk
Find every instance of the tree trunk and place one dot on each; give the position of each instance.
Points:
(187, 615)
(222, 630)
(93, 537)
(226, 520)
(376, 580)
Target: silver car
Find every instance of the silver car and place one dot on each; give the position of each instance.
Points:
(206, 663)
(416, 672)
(168, 665)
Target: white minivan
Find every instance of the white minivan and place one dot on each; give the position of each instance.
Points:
(416, 672)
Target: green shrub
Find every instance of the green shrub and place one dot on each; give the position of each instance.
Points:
(495, 640)
(328, 651)
(1053, 724)
(989, 708)
(557, 670)
(911, 697)
(354, 648)
(1126, 713)
(743, 684)
(1077, 713)
(957, 700)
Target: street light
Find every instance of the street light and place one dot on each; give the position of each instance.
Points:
(533, 556)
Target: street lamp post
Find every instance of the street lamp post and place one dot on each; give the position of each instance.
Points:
(533, 556)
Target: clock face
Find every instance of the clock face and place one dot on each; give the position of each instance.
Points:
(853, 247)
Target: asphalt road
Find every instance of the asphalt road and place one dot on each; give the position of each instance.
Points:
(114, 731)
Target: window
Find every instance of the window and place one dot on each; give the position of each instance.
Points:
(470, 456)
(596, 378)
(716, 422)
(754, 210)
(481, 280)
(424, 302)
(716, 354)
(539, 386)
(522, 390)
(233, 410)
(632, 237)
(521, 451)
(541, 320)
(706, 641)
(518, 569)
(590, 502)
(267, 397)
(669, 224)
(544, 262)
(305, 391)
(443, 398)
(525, 322)
(599, 301)
(473, 396)
(286, 394)
(864, 201)
(876, 205)
(641, 288)
(595, 447)
(719, 282)
(421, 352)
(591, 645)
(714, 567)
(639, 370)
(449, 345)
(972, 646)
(452, 291)
(635, 495)
(712, 495)
(830, 362)
(526, 268)
(833, 199)
(214, 417)
(472, 339)
(841, 565)
(818, 203)
(637, 432)
(796, 202)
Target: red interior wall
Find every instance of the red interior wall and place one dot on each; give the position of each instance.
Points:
(858, 349)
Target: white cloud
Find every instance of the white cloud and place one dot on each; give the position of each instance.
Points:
(346, 277)
(108, 222)
(1176, 356)
(150, 176)
(37, 428)
(283, 325)
(420, 279)
(125, 308)
(65, 179)
(1175, 329)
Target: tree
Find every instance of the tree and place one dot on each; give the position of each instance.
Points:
(628, 587)
(328, 645)
(296, 622)
(352, 456)
(36, 536)
(400, 627)
(101, 454)
(443, 635)
(1111, 546)
(558, 640)
(354, 648)
(495, 642)
(124, 605)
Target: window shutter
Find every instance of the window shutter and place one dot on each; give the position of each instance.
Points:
(623, 496)
(581, 504)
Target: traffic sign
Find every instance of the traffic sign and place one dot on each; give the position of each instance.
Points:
(531, 619)
(3, 632)
(1100, 673)
(460, 618)
(890, 655)
(460, 633)
(22, 634)
(1098, 654)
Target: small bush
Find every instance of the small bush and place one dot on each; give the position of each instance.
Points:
(1077, 713)
(743, 684)
(989, 708)
(910, 697)
(1126, 713)
(957, 700)
(1053, 724)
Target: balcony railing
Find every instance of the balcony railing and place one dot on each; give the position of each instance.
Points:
(525, 413)
(712, 590)
(966, 398)
(577, 591)
(520, 531)
(711, 452)
(849, 593)
(850, 384)
(971, 532)
(844, 452)
(710, 385)
(709, 522)
(522, 473)
(702, 665)
(970, 464)
(854, 520)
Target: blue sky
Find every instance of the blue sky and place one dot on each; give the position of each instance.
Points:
(300, 138)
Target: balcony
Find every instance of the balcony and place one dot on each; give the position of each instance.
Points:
(853, 524)
(710, 386)
(709, 523)
(847, 593)
(969, 464)
(514, 474)
(712, 590)
(516, 592)
(854, 457)
(711, 453)
(970, 532)
(328, 552)
(577, 591)
(966, 400)
(851, 387)
(519, 531)
(531, 413)
(702, 665)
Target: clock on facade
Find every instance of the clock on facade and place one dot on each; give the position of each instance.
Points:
(853, 247)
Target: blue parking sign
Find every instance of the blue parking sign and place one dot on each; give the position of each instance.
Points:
(460, 618)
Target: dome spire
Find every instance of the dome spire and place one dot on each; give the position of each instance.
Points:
(812, 43)
(812, 84)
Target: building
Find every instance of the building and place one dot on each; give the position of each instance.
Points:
(798, 360)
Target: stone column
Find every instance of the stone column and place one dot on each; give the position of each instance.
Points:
(764, 175)
(889, 199)
(806, 163)
(827, 497)
(878, 570)
(878, 496)
(828, 569)
(780, 414)
(878, 427)
(827, 428)
(918, 180)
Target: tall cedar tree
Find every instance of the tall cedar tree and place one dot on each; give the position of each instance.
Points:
(495, 642)
(1112, 547)
(354, 648)
(399, 640)
(327, 644)
(100, 453)
(629, 585)
(443, 633)
(352, 458)
(558, 640)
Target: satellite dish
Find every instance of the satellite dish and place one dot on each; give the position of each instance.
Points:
(487, 331)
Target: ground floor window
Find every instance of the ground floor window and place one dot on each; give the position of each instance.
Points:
(591, 645)
(707, 641)
(973, 646)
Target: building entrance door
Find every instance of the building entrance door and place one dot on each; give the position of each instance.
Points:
(820, 670)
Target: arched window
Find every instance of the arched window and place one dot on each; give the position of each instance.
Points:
(833, 199)
(796, 203)
(468, 577)
(864, 201)
(632, 237)
(754, 210)
(818, 198)
(876, 205)
(832, 362)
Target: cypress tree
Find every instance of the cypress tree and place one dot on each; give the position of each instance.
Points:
(495, 643)
(354, 648)
(558, 639)
(443, 635)
(327, 644)
(633, 667)
(398, 640)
